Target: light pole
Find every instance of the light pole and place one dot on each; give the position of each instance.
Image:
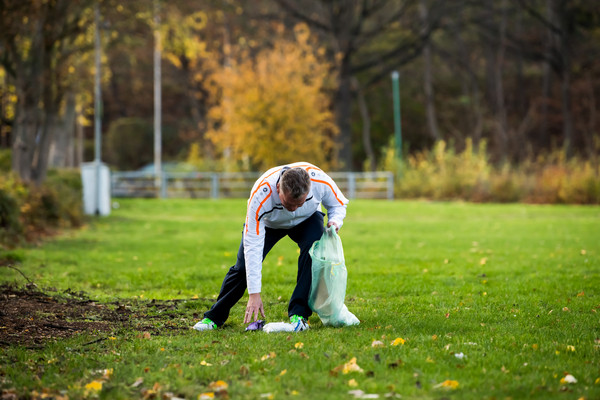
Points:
(97, 108)
(397, 121)
(157, 102)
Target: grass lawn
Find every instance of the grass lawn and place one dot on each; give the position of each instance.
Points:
(490, 301)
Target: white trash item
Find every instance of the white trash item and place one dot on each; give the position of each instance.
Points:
(278, 327)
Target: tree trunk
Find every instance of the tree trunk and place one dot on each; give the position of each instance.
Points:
(547, 76)
(428, 82)
(343, 110)
(566, 79)
(366, 125)
(61, 148)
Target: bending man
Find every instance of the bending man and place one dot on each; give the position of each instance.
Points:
(285, 201)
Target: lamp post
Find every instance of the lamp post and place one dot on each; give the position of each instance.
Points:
(397, 121)
(157, 102)
(97, 108)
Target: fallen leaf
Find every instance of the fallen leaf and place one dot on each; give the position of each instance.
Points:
(377, 343)
(267, 356)
(535, 346)
(350, 366)
(146, 335)
(218, 386)
(571, 348)
(283, 372)
(352, 383)
(582, 294)
(137, 382)
(203, 362)
(583, 252)
(483, 261)
(206, 396)
(299, 345)
(447, 384)
(398, 341)
(94, 386)
(568, 379)
(268, 396)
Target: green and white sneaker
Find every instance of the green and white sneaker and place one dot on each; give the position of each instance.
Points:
(205, 325)
(299, 323)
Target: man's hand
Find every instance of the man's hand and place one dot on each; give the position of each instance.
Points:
(254, 307)
(337, 228)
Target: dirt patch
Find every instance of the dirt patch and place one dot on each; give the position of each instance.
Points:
(31, 317)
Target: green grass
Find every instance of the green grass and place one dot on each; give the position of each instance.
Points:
(512, 287)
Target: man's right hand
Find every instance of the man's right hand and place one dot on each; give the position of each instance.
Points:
(254, 307)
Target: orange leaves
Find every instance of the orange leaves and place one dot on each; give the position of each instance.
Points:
(274, 107)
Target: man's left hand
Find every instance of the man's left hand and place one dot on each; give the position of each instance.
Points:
(337, 228)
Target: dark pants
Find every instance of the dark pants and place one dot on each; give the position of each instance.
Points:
(234, 284)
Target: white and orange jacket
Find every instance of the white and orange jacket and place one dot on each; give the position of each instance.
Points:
(265, 210)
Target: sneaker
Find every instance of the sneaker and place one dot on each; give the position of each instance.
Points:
(299, 323)
(205, 325)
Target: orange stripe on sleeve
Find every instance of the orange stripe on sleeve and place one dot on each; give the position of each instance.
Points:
(330, 187)
(261, 204)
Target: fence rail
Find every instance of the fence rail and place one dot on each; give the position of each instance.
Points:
(368, 185)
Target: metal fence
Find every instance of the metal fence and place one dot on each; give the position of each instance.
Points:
(366, 185)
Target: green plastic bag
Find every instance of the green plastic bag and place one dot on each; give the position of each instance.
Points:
(329, 277)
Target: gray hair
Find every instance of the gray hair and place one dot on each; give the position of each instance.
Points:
(295, 182)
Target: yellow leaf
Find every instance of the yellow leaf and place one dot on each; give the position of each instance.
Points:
(571, 348)
(535, 346)
(448, 384)
(218, 386)
(205, 363)
(352, 383)
(351, 366)
(597, 382)
(283, 372)
(399, 340)
(299, 345)
(483, 261)
(206, 396)
(94, 386)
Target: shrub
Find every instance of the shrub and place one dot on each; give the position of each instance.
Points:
(38, 211)
(11, 229)
(444, 174)
(5, 160)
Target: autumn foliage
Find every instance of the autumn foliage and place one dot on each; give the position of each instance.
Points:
(274, 107)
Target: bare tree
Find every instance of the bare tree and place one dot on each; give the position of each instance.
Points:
(352, 27)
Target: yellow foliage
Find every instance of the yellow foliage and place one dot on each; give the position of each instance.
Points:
(273, 107)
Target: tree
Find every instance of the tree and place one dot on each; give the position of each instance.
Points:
(37, 42)
(273, 107)
(372, 37)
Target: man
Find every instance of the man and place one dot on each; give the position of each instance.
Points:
(285, 201)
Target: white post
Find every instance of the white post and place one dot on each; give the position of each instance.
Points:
(157, 101)
(97, 108)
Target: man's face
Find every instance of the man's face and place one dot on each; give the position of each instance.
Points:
(289, 202)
